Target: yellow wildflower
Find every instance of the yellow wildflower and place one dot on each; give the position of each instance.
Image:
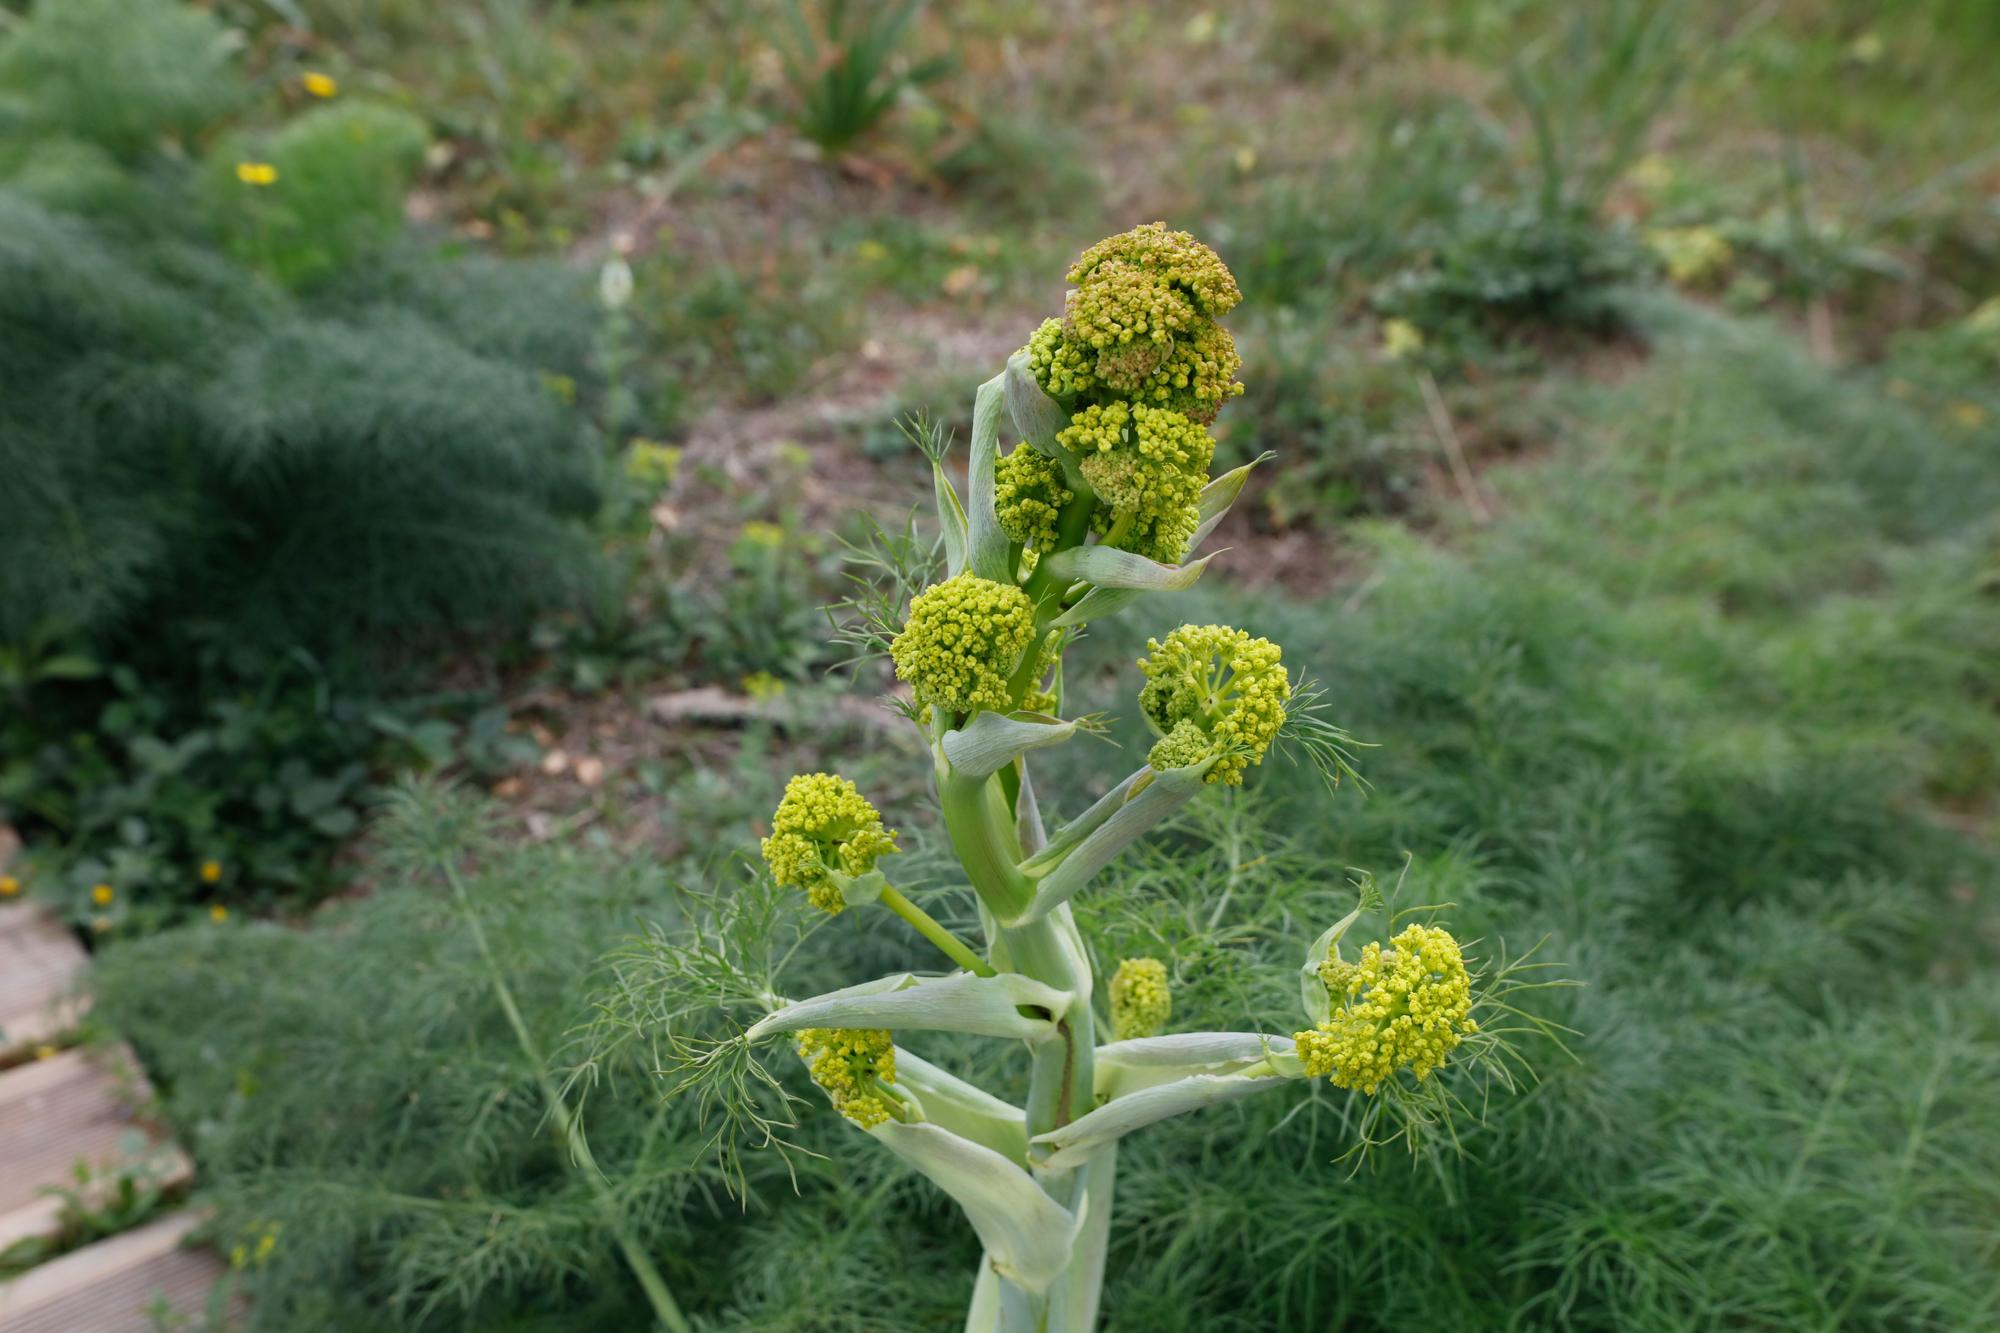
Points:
(102, 895)
(650, 462)
(256, 173)
(318, 84)
(211, 872)
(770, 536)
(1028, 496)
(9, 886)
(100, 924)
(1141, 327)
(1401, 339)
(1404, 1007)
(1985, 317)
(1652, 172)
(218, 913)
(1690, 253)
(46, 1052)
(1148, 466)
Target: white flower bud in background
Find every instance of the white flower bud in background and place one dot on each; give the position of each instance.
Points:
(614, 283)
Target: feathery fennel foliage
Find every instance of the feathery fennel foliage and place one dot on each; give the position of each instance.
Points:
(121, 75)
(357, 1088)
(189, 436)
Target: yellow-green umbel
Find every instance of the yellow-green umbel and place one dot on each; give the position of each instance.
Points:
(1141, 327)
(1148, 466)
(1213, 690)
(963, 639)
(1403, 1007)
(822, 825)
(854, 1066)
(1141, 1003)
(1028, 496)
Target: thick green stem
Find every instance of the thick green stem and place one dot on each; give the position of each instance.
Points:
(1078, 1291)
(953, 947)
(1072, 526)
(982, 833)
(665, 1308)
(1061, 1083)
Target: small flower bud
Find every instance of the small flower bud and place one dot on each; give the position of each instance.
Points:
(822, 826)
(1140, 1000)
(1148, 466)
(853, 1065)
(1028, 496)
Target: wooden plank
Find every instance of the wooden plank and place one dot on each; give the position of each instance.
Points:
(115, 1285)
(41, 965)
(78, 1106)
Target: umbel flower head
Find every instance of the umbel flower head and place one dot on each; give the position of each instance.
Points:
(823, 825)
(1213, 690)
(963, 639)
(1148, 466)
(1141, 326)
(1140, 1000)
(1028, 496)
(855, 1066)
(1403, 1007)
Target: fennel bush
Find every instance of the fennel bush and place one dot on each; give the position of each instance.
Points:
(1105, 499)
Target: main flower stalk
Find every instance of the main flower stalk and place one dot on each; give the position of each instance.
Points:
(1101, 502)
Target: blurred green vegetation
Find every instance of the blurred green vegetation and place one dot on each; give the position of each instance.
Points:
(264, 452)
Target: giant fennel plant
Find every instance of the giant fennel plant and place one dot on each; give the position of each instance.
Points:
(1105, 499)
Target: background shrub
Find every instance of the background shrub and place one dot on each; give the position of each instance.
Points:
(241, 509)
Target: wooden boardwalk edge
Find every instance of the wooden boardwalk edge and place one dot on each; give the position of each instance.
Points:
(87, 1106)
